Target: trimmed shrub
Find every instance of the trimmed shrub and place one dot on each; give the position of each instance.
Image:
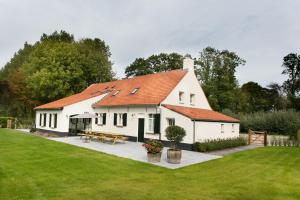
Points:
(218, 144)
(175, 135)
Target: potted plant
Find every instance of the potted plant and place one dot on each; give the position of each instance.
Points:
(153, 148)
(175, 135)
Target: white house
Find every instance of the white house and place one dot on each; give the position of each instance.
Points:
(142, 107)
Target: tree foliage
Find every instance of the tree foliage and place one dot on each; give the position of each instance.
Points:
(52, 68)
(216, 72)
(291, 65)
(153, 64)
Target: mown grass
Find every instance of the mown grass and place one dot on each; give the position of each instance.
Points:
(35, 168)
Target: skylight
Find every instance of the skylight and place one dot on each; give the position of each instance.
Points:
(134, 91)
(115, 93)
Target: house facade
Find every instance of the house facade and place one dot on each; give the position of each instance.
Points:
(142, 107)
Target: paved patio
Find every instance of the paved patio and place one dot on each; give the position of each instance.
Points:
(135, 151)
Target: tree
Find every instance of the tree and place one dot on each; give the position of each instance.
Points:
(153, 64)
(54, 67)
(291, 64)
(215, 70)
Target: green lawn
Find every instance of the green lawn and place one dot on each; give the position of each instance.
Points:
(35, 168)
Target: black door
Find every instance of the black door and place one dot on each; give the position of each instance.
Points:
(141, 129)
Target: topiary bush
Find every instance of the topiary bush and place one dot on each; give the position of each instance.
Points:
(218, 144)
(175, 135)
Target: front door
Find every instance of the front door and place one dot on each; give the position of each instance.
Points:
(141, 129)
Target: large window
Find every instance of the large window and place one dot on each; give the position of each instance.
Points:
(45, 119)
(101, 119)
(154, 123)
(50, 120)
(120, 119)
(232, 128)
(55, 120)
(41, 119)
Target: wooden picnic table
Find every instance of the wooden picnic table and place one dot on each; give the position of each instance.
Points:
(105, 136)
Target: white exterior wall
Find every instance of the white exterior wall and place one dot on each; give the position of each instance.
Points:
(133, 114)
(189, 85)
(64, 114)
(180, 120)
(212, 130)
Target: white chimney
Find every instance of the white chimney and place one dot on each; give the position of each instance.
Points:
(188, 64)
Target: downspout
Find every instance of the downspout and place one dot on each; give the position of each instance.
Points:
(194, 132)
(160, 121)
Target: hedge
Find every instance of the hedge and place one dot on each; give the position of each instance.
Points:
(282, 122)
(218, 144)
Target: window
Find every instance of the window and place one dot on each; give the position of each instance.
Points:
(120, 119)
(222, 128)
(50, 120)
(101, 119)
(181, 97)
(115, 93)
(55, 120)
(45, 119)
(41, 118)
(192, 99)
(171, 121)
(232, 128)
(151, 123)
(134, 90)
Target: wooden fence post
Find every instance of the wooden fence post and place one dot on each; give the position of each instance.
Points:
(249, 136)
(265, 138)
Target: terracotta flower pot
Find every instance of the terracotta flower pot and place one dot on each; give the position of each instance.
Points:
(174, 156)
(154, 157)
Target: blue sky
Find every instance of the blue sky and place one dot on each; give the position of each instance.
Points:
(261, 32)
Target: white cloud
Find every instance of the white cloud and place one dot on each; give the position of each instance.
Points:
(261, 32)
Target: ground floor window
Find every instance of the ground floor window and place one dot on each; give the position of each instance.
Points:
(171, 121)
(45, 119)
(120, 119)
(151, 123)
(101, 118)
(222, 128)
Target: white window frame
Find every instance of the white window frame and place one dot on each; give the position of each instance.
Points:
(222, 128)
(170, 120)
(151, 123)
(134, 90)
(100, 119)
(120, 119)
(181, 97)
(115, 93)
(192, 99)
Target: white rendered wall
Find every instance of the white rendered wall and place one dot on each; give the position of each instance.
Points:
(189, 85)
(212, 130)
(64, 114)
(133, 114)
(180, 120)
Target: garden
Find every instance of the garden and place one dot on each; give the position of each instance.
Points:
(36, 168)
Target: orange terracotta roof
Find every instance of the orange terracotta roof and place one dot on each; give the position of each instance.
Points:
(201, 114)
(152, 90)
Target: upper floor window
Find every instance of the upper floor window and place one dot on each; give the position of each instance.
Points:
(181, 97)
(192, 99)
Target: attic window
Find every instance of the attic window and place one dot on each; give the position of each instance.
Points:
(106, 88)
(115, 93)
(113, 86)
(134, 91)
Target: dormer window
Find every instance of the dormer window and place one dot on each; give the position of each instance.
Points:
(134, 91)
(115, 93)
(181, 97)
